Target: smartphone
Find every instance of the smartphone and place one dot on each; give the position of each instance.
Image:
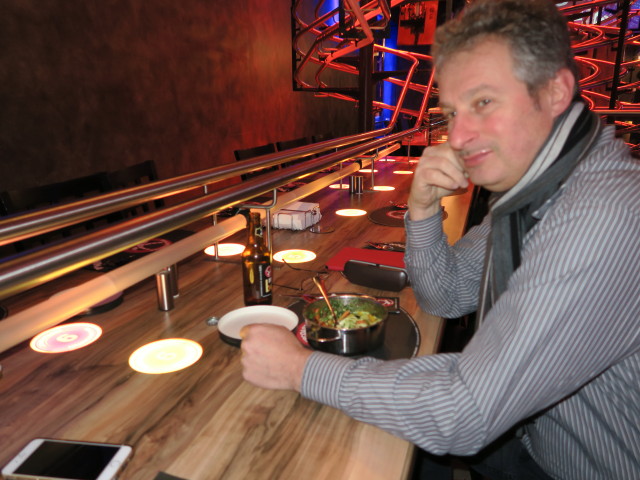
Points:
(50, 459)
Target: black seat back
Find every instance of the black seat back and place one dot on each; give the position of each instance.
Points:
(20, 201)
(130, 176)
(248, 153)
(288, 144)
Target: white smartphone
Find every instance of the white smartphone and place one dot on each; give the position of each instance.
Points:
(49, 459)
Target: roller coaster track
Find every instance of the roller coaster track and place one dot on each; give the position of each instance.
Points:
(322, 45)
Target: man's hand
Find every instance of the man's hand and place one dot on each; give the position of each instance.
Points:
(272, 357)
(439, 173)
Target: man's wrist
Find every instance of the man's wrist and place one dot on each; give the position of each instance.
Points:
(420, 213)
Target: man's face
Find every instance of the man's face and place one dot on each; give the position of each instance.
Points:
(495, 127)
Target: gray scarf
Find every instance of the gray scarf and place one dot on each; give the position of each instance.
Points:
(512, 212)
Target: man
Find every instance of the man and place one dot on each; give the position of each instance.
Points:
(554, 270)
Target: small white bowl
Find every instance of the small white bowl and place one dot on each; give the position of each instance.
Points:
(231, 323)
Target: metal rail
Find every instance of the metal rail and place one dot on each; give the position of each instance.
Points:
(328, 58)
(57, 308)
(35, 268)
(19, 227)
(64, 305)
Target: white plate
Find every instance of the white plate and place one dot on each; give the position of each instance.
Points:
(231, 323)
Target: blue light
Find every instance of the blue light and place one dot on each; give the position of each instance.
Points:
(634, 21)
(390, 63)
(328, 6)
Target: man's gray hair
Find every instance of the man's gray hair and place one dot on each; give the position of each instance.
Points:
(535, 31)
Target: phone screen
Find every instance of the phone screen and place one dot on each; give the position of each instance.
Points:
(68, 460)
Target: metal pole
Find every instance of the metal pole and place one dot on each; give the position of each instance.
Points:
(624, 21)
(366, 89)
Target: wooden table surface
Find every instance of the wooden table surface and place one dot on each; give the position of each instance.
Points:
(205, 422)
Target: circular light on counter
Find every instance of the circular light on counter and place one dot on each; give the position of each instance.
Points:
(65, 338)
(342, 186)
(225, 249)
(384, 188)
(165, 356)
(367, 170)
(294, 256)
(403, 172)
(351, 212)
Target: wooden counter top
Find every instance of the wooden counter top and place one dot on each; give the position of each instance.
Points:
(205, 422)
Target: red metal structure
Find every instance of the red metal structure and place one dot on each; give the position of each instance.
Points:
(606, 51)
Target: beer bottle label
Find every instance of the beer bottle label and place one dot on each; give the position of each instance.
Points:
(264, 273)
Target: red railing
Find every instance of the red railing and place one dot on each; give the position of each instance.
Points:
(321, 46)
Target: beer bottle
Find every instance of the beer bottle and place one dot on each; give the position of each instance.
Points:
(256, 265)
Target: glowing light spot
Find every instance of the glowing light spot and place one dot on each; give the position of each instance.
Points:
(294, 256)
(367, 170)
(225, 249)
(65, 338)
(403, 172)
(165, 356)
(351, 212)
(384, 188)
(338, 186)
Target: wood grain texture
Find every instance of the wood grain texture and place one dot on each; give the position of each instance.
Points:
(205, 422)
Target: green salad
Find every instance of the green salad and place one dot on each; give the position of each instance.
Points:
(346, 318)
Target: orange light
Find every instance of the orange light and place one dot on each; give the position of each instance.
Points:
(367, 170)
(225, 249)
(294, 256)
(384, 188)
(403, 172)
(65, 338)
(165, 356)
(351, 212)
(342, 186)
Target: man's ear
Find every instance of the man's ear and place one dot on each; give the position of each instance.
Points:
(561, 91)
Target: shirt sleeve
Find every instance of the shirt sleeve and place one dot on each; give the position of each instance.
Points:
(570, 311)
(445, 278)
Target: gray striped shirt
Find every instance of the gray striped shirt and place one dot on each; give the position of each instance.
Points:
(561, 347)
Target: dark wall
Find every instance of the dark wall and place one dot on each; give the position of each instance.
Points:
(92, 85)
